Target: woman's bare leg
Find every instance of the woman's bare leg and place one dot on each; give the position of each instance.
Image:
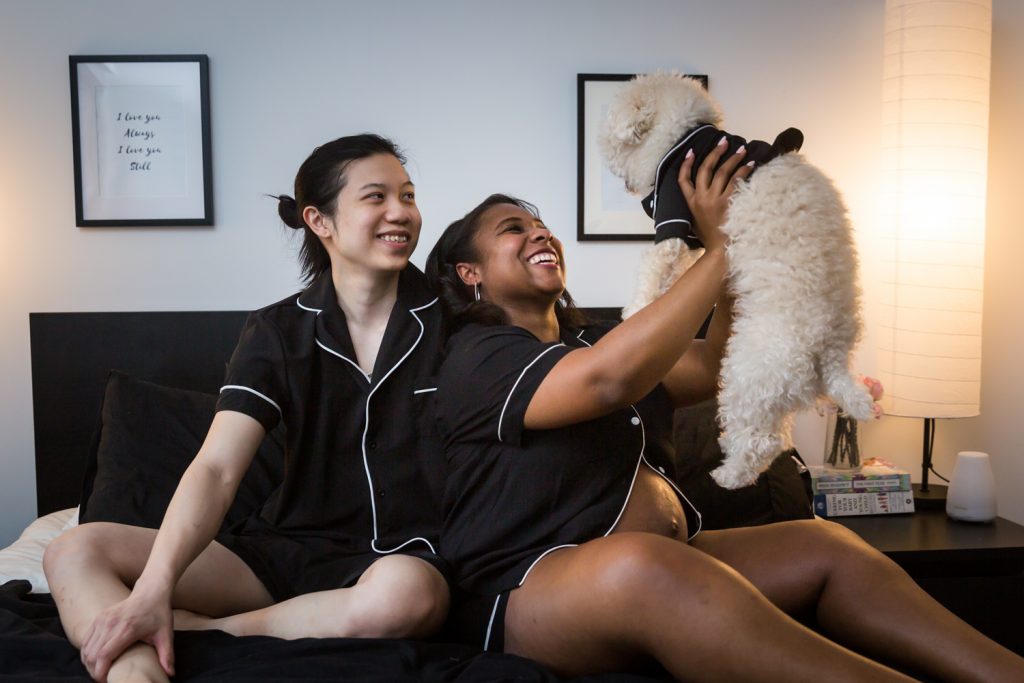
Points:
(619, 600)
(397, 597)
(93, 566)
(860, 597)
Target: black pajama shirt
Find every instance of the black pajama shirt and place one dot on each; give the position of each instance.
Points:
(364, 471)
(513, 495)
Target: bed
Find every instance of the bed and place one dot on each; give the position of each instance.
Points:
(116, 422)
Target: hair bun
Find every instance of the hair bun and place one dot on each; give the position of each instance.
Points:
(288, 210)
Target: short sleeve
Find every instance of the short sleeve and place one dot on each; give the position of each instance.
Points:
(256, 384)
(488, 379)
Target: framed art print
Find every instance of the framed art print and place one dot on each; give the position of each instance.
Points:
(605, 211)
(141, 140)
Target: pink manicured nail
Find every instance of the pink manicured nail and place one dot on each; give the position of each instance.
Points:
(722, 141)
(750, 163)
(741, 150)
(689, 153)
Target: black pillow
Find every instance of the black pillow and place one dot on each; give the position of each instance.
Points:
(147, 436)
(780, 494)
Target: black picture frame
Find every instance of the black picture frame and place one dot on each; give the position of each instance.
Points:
(140, 127)
(604, 210)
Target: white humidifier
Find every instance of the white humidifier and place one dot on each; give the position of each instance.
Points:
(972, 489)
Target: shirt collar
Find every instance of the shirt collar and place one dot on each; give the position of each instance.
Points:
(413, 291)
(689, 139)
(403, 330)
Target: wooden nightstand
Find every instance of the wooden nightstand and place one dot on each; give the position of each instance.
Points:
(975, 570)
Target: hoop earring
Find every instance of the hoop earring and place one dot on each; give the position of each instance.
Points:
(476, 290)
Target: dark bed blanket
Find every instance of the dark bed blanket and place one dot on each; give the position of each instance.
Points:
(33, 648)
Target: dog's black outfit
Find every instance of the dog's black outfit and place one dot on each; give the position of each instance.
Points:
(666, 205)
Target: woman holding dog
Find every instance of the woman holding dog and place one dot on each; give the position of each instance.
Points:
(346, 545)
(570, 544)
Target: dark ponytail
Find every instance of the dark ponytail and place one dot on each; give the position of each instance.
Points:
(458, 245)
(317, 183)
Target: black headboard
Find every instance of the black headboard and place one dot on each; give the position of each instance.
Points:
(72, 354)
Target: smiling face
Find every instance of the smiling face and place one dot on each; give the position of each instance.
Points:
(519, 260)
(376, 223)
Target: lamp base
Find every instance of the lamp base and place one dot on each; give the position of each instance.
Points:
(932, 499)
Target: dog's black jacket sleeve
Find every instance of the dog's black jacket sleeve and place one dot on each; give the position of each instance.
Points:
(666, 205)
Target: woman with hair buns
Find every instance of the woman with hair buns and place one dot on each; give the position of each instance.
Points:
(346, 546)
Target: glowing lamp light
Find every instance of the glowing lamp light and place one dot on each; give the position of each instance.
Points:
(935, 158)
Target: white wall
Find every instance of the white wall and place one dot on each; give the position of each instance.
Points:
(481, 94)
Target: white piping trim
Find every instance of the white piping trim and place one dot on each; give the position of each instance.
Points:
(690, 533)
(643, 459)
(344, 358)
(298, 303)
(366, 427)
(424, 391)
(632, 483)
(411, 540)
(490, 622)
(508, 398)
(542, 556)
(253, 391)
(657, 173)
(672, 220)
(420, 308)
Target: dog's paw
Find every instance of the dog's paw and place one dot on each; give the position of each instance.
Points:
(860, 405)
(858, 398)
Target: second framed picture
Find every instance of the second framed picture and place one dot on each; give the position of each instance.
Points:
(605, 210)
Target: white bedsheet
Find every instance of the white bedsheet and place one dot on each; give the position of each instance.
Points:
(23, 559)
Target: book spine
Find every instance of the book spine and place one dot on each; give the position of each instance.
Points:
(872, 503)
(898, 482)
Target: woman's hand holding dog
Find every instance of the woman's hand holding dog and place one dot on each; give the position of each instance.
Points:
(708, 197)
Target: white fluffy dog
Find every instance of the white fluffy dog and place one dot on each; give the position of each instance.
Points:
(792, 267)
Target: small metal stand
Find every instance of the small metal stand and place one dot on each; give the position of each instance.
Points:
(929, 496)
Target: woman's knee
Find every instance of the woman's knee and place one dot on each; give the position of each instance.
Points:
(401, 596)
(73, 547)
(836, 547)
(630, 590)
(96, 545)
(637, 569)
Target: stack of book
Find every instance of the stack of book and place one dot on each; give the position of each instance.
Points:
(876, 487)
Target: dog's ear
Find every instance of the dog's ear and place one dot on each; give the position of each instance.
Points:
(637, 122)
(644, 122)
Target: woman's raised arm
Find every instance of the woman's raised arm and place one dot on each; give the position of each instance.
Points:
(633, 358)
